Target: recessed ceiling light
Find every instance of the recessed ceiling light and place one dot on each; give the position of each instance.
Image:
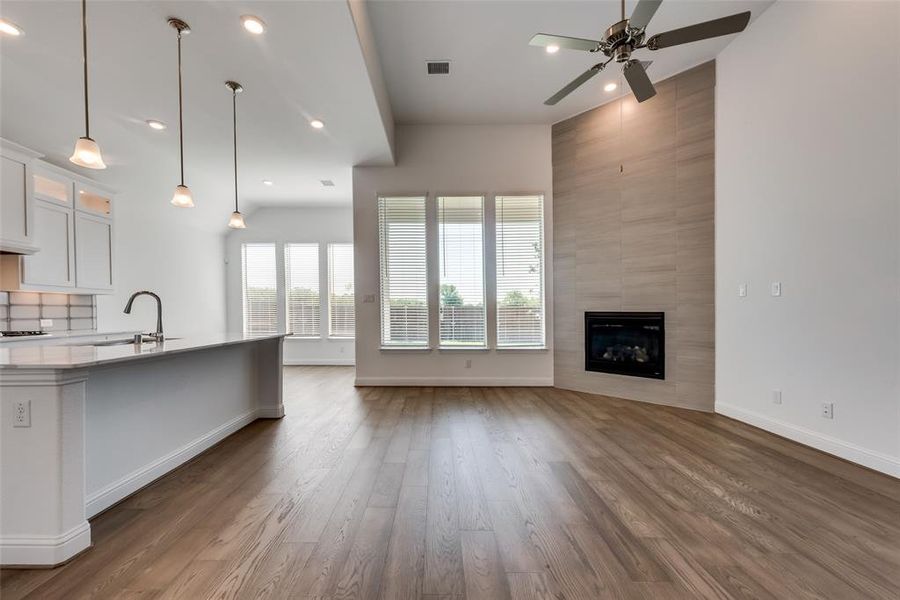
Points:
(316, 124)
(154, 124)
(552, 49)
(609, 87)
(268, 182)
(10, 28)
(254, 25)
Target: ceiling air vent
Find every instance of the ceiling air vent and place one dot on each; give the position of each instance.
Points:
(327, 182)
(438, 67)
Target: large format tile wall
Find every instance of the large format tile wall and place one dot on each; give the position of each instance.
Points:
(633, 230)
(23, 311)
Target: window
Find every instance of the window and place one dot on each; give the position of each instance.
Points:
(301, 282)
(520, 271)
(461, 250)
(341, 312)
(404, 298)
(260, 288)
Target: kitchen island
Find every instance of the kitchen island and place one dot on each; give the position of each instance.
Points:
(84, 424)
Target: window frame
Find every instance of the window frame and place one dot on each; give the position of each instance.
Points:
(384, 344)
(285, 290)
(544, 345)
(244, 312)
(485, 289)
(328, 268)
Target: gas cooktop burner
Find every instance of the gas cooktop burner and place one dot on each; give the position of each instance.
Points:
(21, 333)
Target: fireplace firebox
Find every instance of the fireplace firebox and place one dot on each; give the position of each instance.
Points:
(625, 343)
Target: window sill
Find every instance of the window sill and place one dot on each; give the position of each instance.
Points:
(463, 349)
(304, 337)
(523, 349)
(338, 338)
(406, 348)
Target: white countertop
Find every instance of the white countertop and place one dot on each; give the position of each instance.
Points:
(74, 355)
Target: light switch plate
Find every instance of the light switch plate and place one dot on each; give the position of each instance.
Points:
(46, 323)
(776, 288)
(742, 290)
(368, 298)
(776, 396)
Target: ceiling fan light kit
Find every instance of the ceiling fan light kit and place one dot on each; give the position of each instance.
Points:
(621, 39)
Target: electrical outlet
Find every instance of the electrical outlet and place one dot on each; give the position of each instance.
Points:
(776, 396)
(776, 288)
(469, 364)
(827, 410)
(46, 323)
(742, 290)
(22, 416)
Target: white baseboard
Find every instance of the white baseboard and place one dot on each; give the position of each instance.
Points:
(884, 463)
(45, 550)
(134, 481)
(319, 362)
(456, 381)
(270, 412)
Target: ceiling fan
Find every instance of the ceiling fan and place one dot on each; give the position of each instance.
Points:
(622, 38)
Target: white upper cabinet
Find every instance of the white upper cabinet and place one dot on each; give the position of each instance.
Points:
(54, 263)
(93, 252)
(16, 202)
(72, 225)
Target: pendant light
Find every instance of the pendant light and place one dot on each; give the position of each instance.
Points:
(237, 219)
(87, 152)
(182, 197)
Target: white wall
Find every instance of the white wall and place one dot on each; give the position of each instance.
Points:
(160, 248)
(808, 194)
(293, 225)
(449, 159)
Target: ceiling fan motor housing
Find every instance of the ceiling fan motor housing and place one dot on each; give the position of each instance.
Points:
(619, 41)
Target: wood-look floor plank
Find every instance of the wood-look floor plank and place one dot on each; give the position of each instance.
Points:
(478, 493)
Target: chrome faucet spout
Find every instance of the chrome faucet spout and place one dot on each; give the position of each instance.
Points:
(158, 336)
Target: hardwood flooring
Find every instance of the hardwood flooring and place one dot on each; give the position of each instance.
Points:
(482, 493)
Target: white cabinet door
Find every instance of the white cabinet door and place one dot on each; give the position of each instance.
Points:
(93, 252)
(14, 225)
(54, 234)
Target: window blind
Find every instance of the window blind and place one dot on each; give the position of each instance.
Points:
(404, 298)
(461, 249)
(520, 271)
(301, 275)
(260, 288)
(341, 311)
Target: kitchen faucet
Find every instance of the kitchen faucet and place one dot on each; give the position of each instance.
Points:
(158, 336)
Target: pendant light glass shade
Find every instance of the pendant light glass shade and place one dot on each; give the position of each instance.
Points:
(87, 154)
(237, 221)
(183, 197)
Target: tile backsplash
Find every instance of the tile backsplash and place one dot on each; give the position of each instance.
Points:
(69, 312)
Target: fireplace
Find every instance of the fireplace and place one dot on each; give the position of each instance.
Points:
(626, 343)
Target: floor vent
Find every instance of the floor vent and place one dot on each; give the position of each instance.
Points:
(438, 67)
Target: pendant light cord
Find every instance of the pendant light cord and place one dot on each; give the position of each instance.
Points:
(234, 113)
(180, 113)
(87, 120)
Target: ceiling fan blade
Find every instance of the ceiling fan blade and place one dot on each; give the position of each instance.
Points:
(574, 84)
(643, 12)
(545, 39)
(700, 31)
(637, 79)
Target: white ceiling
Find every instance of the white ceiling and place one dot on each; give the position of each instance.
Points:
(307, 65)
(496, 77)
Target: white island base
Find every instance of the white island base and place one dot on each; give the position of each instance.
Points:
(107, 421)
